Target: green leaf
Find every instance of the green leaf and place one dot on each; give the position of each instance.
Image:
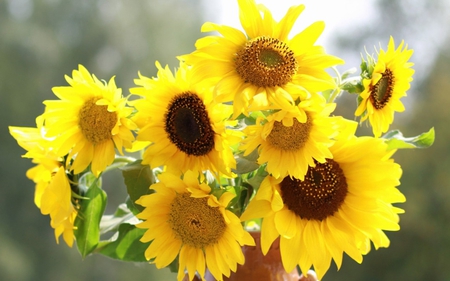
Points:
(246, 164)
(347, 73)
(87, 223)
(243, 194)
(396, 140)
(251, 119)
(257, 178)
(125, 244)
(112, 222)
(327, 94)
(173, 266)
(138, 179)
(132, 206)
(353, 86)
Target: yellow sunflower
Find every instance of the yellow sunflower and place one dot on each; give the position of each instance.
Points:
(56, 201)
(89, 121)
(183, 219)
(290, 143)
(340, 206)
(384, 87)
(263, 60)
(185, 126)
(53, 192)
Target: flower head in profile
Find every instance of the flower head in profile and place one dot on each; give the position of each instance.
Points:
(53, 194)
(289, 143)
(340, 206)
(384, 86)
(89, 121)
(183, 219)
(263, 60)
(56, 201)
(186, 128)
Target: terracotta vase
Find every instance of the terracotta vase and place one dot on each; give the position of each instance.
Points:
(260, 267)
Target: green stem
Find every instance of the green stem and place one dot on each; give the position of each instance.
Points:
(335, 94)
(336, 91)
(338, 75)
(119, 162)
(126, 159)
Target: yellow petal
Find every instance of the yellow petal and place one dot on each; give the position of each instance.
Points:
(250, 18)
(286, 223)
(235, 35)
(170, 252)
(256, 209)
(268, 233)
(305, 39)
(291, 252)
(285, 25)
(211, 263)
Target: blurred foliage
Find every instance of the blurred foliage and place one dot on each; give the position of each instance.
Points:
(41, 40)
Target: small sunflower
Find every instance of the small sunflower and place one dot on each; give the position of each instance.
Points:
(89, 121)
(384, 87)
(340, 206)
(53, 192)
(185, 126)
(183, 219)
(56, 201)
(290, 143)
(263, 60)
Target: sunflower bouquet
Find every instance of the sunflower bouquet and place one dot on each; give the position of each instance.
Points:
(241, 136)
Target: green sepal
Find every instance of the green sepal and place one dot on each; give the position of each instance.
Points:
(359, 100)
(368, 66)
(396, 140)
(125, 244)
(138, 178)
(87, 222)
(353, 86)
(364, 69)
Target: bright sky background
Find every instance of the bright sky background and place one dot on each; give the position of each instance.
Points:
(336, 14)
(343, 15)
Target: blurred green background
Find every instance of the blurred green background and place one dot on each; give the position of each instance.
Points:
(41, 40)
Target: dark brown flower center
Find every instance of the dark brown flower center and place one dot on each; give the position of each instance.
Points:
(290, 138)
(318, 196)
(188, 125)
(266, 62)
(194, 222)
(381, 92)
(96, 122)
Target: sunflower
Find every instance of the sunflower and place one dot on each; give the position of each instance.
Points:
(185, 126)
(89, 121)
(384, 87)
(290, 143)
(56, 201)
(263, 60)
(340, 206)
(183, 219)
(53, 192)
